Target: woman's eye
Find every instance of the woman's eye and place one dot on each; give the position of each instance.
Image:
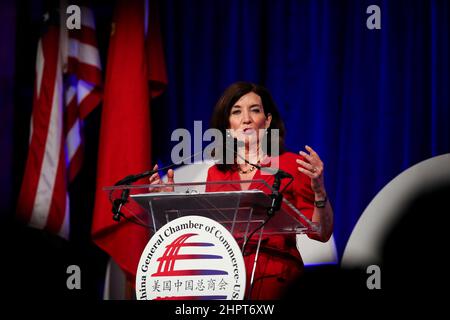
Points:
(236, 112)
(256, 110)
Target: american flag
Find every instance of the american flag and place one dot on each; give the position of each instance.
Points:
(67, 88)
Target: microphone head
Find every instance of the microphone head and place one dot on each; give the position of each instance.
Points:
(269, 170)
(276, 172)
(284, 174)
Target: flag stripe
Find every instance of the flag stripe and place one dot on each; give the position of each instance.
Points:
(89, 103)
(71, 112)
(51, 158)
(73, 139)
(39, 67)
(84, 71)
(57, 208)
(65, 228)
(85, 35)
(84, 88)
(84, 53)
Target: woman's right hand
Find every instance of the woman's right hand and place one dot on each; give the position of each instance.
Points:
(156, 179)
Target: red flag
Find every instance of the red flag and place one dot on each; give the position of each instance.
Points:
(125, 130)
(67, 88)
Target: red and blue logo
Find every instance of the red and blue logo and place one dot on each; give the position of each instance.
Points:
(191, 258)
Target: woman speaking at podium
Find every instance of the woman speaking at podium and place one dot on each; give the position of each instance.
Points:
(247, 114)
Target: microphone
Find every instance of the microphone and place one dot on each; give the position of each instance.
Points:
(273, 171)
(135, 177)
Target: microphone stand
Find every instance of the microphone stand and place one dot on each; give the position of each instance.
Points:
(276, 196)
(118, 204)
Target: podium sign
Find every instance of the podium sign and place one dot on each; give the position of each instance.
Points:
(191, 258)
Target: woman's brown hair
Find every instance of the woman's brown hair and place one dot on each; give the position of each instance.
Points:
(221, 115)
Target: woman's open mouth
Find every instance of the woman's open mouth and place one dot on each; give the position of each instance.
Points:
(249, 131)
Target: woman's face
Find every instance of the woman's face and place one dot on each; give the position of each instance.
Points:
(247, 119)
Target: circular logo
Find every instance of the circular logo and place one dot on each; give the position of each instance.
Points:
(191, 258)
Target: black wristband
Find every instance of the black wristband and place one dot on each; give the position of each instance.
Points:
(321, 203)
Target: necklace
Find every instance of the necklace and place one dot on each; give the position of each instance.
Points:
(252, 168)
(246, 171)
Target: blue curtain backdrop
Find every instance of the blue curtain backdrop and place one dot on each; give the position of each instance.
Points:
(371, 102)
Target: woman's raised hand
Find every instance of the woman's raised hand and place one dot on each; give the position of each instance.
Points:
(313, 167)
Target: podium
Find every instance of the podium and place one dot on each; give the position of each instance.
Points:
(244, 213)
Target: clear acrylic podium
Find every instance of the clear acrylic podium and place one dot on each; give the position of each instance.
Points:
(239, 211)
